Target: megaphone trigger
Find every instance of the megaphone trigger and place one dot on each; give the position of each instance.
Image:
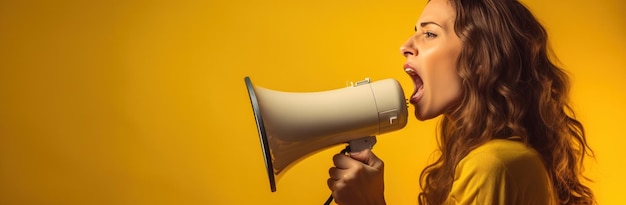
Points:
(361, 144)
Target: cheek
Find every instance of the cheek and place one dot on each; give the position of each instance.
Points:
(446, 83)
(446, 80)
(452, 87)
(450, 81)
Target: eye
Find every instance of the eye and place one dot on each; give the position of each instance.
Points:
(429, 34)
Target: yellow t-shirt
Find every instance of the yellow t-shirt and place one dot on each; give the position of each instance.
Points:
(504, 172)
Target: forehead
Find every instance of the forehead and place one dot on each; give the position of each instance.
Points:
(438, 11)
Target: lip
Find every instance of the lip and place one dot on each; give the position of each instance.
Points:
(417, 82)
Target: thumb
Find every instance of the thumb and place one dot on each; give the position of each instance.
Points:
(367, 157)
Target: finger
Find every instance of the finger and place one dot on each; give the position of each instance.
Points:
(333, 173)
(339, 174)
(364, 156)
(334, 184)
(345, 162)
(367, 157)
(331, 184)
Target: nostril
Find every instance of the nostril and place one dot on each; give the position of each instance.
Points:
(407, 50)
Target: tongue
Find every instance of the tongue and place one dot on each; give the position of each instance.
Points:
(419, 88)
(419, 85)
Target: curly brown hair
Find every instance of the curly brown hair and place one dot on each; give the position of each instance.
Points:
(511, 87)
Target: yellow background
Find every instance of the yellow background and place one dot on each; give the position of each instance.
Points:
(143, 102)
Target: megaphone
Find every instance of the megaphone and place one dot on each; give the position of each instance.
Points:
(292, 125)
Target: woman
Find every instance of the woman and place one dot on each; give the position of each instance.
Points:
(507, 135)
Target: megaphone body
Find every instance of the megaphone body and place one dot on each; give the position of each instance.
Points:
(292, 125)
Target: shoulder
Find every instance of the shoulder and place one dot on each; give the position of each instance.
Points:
(501, 172)
(496, 162)
(511, 160)
(503, 154)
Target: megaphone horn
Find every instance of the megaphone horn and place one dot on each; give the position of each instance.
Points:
(292, 125)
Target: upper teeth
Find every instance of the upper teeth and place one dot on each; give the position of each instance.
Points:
(409, 71)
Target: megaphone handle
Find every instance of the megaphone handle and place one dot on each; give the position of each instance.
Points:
(356, 145)
(361, 144)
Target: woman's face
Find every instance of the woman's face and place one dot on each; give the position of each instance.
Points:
(431, 60)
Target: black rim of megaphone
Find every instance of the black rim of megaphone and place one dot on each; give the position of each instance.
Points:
(262, 134)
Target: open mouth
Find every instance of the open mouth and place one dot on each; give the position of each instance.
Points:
(417, 82)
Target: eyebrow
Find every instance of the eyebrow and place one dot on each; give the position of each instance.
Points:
(424, 24)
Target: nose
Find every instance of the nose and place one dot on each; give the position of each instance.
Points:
(408, 48)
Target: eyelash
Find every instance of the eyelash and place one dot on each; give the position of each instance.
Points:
(429, 34)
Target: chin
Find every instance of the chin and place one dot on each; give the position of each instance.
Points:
(424, 115)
